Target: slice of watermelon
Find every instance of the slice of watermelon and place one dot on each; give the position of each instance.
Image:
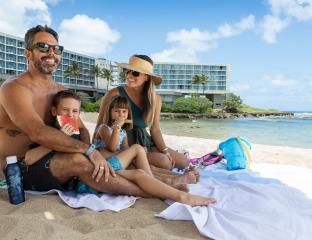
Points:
(63, 119)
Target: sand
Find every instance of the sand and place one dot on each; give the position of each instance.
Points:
(47, 217)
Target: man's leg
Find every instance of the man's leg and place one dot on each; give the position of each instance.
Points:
(64, 166)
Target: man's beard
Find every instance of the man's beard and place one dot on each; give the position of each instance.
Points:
(45, 68)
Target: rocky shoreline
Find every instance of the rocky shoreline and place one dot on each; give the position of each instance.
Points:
(223, 115)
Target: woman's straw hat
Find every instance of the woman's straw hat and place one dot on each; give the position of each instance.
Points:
(142, 66)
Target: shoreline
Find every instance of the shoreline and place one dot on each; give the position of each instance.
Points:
(261, 153)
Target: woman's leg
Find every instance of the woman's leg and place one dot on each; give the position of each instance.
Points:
(135, 155)
(160, 190)
(161, 160)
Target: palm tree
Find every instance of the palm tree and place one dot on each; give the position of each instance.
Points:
(122, 77)
(96, 72)
(200, 79)
(196, 80)
(106, 74)
(204, 79)
(74, 70)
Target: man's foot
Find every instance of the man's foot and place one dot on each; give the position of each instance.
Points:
(194, 200)
(194, 170)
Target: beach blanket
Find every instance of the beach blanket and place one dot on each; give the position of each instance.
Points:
(248, 207)
(95, 202)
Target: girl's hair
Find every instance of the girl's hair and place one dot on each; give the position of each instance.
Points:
(64, 94)
(149, 96)
(117, 102)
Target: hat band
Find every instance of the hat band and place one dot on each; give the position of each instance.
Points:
(141, 65)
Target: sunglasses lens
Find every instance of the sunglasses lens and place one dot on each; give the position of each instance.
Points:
(43, 47)
(58, 49)
(135, 74)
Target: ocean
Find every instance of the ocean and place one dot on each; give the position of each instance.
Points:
(278, 131)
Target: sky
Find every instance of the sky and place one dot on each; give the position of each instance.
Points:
(267, 43)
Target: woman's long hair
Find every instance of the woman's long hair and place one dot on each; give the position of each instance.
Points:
(149, 96)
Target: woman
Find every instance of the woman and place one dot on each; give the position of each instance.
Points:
(145, 107)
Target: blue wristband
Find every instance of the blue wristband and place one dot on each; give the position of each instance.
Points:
(89, 150)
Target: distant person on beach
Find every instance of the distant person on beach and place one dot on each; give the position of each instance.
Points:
(145, 106)
(25, 118)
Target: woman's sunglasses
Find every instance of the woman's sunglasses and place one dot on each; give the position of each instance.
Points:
(44, 47)
(134, 73)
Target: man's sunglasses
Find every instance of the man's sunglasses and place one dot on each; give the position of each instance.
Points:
(44, 47)
(134, 73)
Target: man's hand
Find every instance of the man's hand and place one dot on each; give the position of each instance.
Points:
(101, 166)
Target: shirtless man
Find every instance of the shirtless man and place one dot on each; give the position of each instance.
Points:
(25, 118)
(25, 103)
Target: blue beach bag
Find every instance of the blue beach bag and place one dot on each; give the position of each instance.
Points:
(237, 152)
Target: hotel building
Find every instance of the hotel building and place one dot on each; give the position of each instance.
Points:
(177, 81)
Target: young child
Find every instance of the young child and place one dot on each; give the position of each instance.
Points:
(111, 134)
(63, 103)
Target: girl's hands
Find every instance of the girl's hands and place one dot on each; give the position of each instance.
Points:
(119, 121)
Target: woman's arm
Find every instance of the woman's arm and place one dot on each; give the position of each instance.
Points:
(155, 128)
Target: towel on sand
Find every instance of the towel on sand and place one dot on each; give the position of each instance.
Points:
(248, 207)
(95, 202)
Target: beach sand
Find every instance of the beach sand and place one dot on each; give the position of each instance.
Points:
(47, 217)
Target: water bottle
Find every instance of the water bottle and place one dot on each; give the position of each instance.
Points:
(14, 181)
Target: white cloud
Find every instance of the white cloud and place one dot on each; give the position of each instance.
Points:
(310, 83)
(91, 36)
(283, 13)
(299, 9)
(271, 26)
(52, 2)
(16, 16)
(281, 80)
(238, 87)
(187, 43)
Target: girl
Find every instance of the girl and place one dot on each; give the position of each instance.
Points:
(145, 108)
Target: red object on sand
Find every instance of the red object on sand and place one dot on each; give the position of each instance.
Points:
(63, 119)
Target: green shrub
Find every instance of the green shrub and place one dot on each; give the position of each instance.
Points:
(192, 105)
(89, 107)
(166, 108)
(84, 97)
(232, 103)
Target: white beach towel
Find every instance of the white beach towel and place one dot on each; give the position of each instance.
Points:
(248, 207)
(99, 202)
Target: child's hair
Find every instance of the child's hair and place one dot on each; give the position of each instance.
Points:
(64, 94)
(117, 102)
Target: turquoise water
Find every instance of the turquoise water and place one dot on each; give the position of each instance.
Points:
(292, 132)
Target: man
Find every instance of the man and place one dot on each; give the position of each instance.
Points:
(25, 103)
